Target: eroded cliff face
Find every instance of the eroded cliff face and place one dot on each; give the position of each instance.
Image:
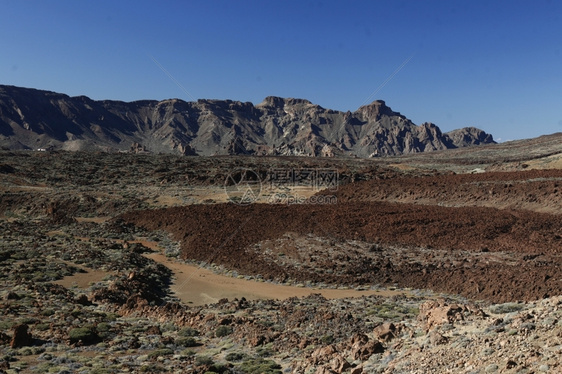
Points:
(32, 119)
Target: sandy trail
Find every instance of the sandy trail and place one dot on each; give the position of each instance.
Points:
(82, 280)
(199, 286)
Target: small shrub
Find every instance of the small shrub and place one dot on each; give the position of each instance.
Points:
(111, 316)
(168, 327)
(188, 331)
(265, 351)
(188, 352)
(86, 335)
(151, 368)
(103, 326)
(161, 352)
(42, 326)
(187, 342)
(6, 325)
(204, 361)
(104, 330)
(28, 321)
(223, 331)
(327, 339)
(99, 371)
(26, 351)
(260, 366)
(76, 313)
(506, 308)
(235, 356)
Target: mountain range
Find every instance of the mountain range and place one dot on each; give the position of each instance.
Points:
(37, 119)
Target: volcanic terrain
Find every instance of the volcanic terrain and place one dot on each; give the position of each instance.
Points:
(439, 262)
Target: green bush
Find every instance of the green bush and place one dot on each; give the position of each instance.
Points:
(188, 331)
(506, 308)
(104, 330)
(188, 352)
(86, 335)
(6, 325)
(161, 352)
(28, 321)
(204, 361)
(152, 368)
(99, 371)
(235, 356)
(187, 342)
(265, 351)
(103, 327)
(43, 326)
(327, 339)
(260, 366)
(223, 331)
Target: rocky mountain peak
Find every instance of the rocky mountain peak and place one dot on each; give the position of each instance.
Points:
(374, 111)
(273, 101)
(35, 119)
(468, 136)
(279, 102)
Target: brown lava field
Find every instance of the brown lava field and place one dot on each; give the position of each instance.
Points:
(480, 252)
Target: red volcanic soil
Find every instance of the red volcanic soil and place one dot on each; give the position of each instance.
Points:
(479, 252)
(537, 190)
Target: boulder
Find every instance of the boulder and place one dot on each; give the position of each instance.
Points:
(339, 364)
(435, 313)
(436, 338)
(364, 351)
(323, 354)
(385, 332)
(357, 370)
(12, 296)
(22, 337)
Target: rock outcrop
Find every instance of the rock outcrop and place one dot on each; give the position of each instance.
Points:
(42, 120)
(21, 337)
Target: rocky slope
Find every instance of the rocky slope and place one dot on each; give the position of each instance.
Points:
(34, 119)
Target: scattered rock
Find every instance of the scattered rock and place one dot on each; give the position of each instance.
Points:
(385, 332)
(153, 330)
(435, 313)
(4, 365)
(21, 337)
(83, 300)
(12, 296)
(436, 338)
(339, 364)
(323, 354)
(363, 350)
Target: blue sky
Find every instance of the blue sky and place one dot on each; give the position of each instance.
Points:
(496, 65)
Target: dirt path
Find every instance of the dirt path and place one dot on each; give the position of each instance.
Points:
(82, 280)
(198, 286)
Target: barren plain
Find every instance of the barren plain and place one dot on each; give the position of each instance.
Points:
(431, 263)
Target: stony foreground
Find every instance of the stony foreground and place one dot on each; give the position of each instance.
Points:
(475, 289)
(125, 323)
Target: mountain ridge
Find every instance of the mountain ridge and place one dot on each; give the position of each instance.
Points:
(36, 119)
